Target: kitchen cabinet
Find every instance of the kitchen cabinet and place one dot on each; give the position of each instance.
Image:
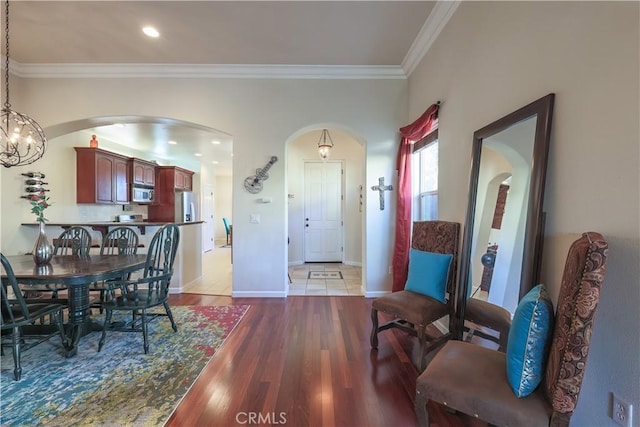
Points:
(143, 172)
(174, 178)
(101, 176)
(183, 179)
(169, 179)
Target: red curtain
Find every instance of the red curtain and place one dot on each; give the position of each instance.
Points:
(410, 133)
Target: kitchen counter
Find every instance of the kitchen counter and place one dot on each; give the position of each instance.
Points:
(188, 263)
(103, 226)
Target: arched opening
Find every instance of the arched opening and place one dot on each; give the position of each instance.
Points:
(168, 142)
(325, 213)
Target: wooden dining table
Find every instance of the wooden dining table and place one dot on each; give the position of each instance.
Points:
(76, 273)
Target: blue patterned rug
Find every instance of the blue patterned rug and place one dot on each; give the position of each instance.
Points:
(120, 386)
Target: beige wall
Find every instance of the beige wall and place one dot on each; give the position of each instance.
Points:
(262, 115)
(492, 58)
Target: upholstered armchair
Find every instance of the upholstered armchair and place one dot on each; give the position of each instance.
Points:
(476, 380)
(411, 309)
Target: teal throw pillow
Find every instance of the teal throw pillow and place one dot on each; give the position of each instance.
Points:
(428, 274)
(529, 341)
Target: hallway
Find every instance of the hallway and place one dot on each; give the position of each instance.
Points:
(328, 279)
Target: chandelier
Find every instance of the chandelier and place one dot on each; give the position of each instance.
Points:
(324, 146)
(22, 140)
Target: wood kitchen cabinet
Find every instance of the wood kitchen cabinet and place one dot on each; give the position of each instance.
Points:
(143, 172)
(174, 178)
(169, 179)
(183, 179)
(101, 176)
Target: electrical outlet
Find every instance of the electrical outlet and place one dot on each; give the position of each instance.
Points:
(390, 270)
(621, 412)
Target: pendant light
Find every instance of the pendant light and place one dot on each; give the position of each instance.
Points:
(324, 146)
(22, 140)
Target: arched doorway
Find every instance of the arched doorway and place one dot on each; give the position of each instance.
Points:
(307, 271)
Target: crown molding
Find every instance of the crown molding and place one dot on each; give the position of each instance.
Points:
(205, 71)
(437, 19)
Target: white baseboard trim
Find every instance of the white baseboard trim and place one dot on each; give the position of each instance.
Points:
(292, 263)
(375, 294)
(259, 294)
(177, 290)
(354, 263)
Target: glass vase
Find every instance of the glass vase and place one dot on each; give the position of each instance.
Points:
(43, 249)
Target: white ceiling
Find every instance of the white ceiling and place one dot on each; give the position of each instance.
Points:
(58, 37)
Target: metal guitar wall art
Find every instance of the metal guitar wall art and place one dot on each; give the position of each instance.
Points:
(253, 184)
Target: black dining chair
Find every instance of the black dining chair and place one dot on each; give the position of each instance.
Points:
(118, 241)
(151, 290)
(74, 240)
(18, 314)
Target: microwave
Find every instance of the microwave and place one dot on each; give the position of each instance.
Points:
(142, 195)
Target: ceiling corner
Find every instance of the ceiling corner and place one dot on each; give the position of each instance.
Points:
(438, 18)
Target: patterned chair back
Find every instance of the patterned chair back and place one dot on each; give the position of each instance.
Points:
(440, 237)
(577, 303)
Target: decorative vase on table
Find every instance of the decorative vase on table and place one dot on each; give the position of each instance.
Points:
(43, 249)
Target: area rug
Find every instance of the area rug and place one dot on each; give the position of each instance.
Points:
(325, 275)
(120, 386)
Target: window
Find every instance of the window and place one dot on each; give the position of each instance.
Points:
(424, 162)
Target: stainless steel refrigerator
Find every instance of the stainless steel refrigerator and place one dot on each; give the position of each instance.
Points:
(186, 206)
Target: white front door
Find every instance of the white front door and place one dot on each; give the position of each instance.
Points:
(207, 217)
(323, 212)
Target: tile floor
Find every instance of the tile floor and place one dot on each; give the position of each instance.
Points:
(302, 284)
(217, 268)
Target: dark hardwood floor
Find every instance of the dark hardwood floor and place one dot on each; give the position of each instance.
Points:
(306, 361)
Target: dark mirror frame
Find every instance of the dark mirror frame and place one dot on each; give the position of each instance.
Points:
(543, 109)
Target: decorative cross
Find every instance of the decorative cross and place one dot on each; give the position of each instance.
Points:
(381, 188)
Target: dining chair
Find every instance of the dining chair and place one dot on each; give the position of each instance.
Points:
(525, 387)
(429, 293)
(151, 290)
(480, 315)
(74, 240)
(18, 314)
(118, 241)
(227, 229)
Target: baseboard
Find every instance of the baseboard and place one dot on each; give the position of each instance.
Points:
(375, 294)
(177, 290)
(254, 294)
(292, 263)
(353, 263)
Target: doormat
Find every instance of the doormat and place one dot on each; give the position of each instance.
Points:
(325, 275)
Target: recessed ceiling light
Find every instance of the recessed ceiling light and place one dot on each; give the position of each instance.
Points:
(215, 162)
(151, 32)
(215, 142)
(171, 142)
(198, 155)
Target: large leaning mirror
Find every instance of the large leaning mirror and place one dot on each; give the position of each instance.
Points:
(503, 230)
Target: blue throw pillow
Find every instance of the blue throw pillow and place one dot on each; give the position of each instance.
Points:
(428, 273)
(529, 341)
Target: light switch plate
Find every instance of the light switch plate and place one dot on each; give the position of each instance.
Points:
(254, 219)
